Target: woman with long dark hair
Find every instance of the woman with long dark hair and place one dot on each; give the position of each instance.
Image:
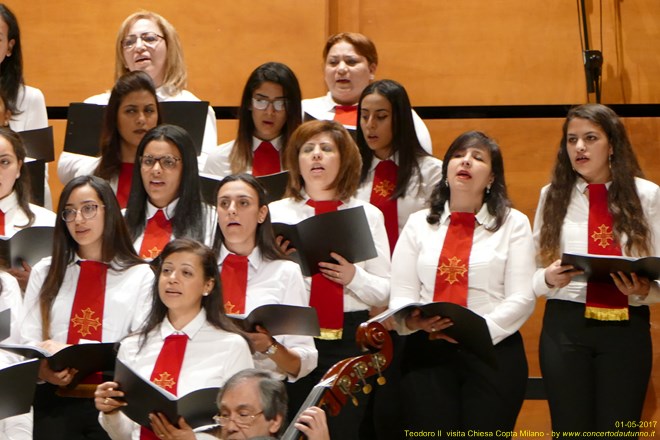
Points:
(93, 275)
(186, 331)
(165, 200)
(255, 272)
(268, 115)
(131, 112)
(595, 347)
(470, 247)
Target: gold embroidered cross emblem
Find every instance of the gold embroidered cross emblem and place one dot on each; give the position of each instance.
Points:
(385, 188)
(603, 235)
(85, 322)
(453, 270)
(229, 308)
(153, 253)
(165, 380)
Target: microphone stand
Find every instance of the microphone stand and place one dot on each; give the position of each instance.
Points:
(593, 59)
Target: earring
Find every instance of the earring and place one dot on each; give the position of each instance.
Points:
(445, 182)
(205, 294)
(488, 189)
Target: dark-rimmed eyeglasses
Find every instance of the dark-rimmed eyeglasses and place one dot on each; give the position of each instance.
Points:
(150, 39)
(167, 162)
(87, 212)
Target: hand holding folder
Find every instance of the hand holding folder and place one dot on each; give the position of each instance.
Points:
(281, 319)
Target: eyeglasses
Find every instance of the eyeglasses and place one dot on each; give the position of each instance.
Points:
(166, 162)
(242, 420)
(86, 211)
(262, 104)
(148, 39)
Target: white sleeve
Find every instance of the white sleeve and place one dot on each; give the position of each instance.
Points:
(17, 427)
(69, 164)
(210, 140)
(539, 287)
(144, 304)
(117, 425)
(423, 134)
(31, 322)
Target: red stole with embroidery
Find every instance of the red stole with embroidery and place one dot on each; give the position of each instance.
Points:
(2, 223)
(234, 283)
(604, 301)
(381, 196)
(451, 278)
(166, 371)
(266, 160)
(156, 235)
(326, 296)
(124, 183)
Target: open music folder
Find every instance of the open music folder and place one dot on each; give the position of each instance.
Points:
(274, 184)
(281, 319)
(29, 244)
(17, 385)
(599, 267)
(142, 398)
(345, 232)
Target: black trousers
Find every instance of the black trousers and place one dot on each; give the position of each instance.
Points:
(595, 372)
(65, 418)
(446, 388)
(346, 425)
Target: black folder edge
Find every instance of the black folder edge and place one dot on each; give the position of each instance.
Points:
(469, 329)
(281, 319)
(39, 143)
(274, 184)
(598, 267)
(18, 383)
(37, 172)
(304, 254)
(29, 244)
(5, 324)
(143, 397)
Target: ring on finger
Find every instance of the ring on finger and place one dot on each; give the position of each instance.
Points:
(432, 329)
(105, 401)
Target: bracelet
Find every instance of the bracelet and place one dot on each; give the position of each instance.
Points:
(272, 349)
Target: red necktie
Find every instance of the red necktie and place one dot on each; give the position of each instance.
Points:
(2, 222)
(234, 283)
(604, 301)
(87, 311)
(156, 235)
(381, 197)
(346, 114)
(266, 160)
(451, 278)
(326, 296)
(124, 183)
(166, 371)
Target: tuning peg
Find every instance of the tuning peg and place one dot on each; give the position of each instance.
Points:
(378, 361)
(344, 384)
(361, 369)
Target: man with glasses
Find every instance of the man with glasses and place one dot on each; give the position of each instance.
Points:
(253, 405)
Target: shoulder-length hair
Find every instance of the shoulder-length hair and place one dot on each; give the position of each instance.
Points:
(404, 137)
(496, 199)
(22, 184)
(362, 44)
(116, 248)
(348, 177)
(110, 164)
(278, 73)
(212, 303)
(265, 237)
(11, 79)
(188, 219)
(622, 197)
(175, 78)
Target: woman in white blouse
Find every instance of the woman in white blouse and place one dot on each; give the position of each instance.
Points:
(165, 200)
(92, 258)
(473, 249)
(244, 230)
(186, 300)
(595, 348)
(324, 163)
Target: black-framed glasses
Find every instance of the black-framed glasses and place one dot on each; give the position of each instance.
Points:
(87, 212)
(167, 162)
(148, 39)
(241, 419)
(262, 104)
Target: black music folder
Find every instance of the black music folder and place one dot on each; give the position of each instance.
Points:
(274, 184)
(5, 324)
(599, 267)
(37, 172)
(469, 329)
(29, 244)
(345, 232)
(39, 143)
(142, 398)
(86, 358)
(17, 385)
(352, 131)
(281, 319)
(84, 123)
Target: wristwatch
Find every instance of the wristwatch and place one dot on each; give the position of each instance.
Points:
(272, 349)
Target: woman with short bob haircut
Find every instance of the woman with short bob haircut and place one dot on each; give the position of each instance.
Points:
(271, 84)
(92, 259)
(595, 339)
(166, 182)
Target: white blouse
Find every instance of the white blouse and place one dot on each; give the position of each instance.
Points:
(499, 273)
(371, 284)
(212, 356)
(277, 282)
(218, 161)
(574, 239)
(15, 218)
